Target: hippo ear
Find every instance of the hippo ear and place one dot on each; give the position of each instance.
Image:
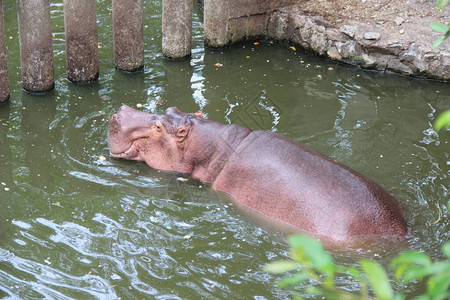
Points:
(181, 133)
(199, 114)
(173, 111)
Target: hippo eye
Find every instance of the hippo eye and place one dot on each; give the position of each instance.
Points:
(159, 126)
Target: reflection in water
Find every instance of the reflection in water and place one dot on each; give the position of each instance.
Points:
(78, 224)
(177, 83)
(344, 131)
(6, 181)
(197, 80)
(260, 113)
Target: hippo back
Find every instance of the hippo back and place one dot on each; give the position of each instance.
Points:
(291, 183)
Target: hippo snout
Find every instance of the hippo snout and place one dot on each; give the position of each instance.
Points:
(126, 108)
(123, 114)
(114, 122)
(127, 126)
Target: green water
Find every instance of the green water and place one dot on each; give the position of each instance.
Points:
(73, 225)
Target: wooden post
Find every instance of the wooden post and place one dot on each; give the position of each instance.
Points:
(176, 28)
(215, 22)
(36, 49)
(80, 21)
(128, 35)
(4, 81)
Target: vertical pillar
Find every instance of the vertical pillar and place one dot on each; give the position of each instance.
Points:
(36, 49)
(128, 35)
(4, 81)
(80, 21)
(176, 28)
(215, 22)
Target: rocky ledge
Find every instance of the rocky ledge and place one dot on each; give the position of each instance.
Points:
(382, 35)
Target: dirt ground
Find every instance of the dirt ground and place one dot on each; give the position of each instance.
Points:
(389, 13)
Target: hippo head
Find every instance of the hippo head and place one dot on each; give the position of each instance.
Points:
(159, 140)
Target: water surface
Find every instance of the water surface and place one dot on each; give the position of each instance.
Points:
(76, 225)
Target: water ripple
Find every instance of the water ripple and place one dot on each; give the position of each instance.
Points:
(51, 281)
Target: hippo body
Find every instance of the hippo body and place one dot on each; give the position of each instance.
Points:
(270, 173)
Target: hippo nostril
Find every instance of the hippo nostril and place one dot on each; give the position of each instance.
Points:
(114, 124)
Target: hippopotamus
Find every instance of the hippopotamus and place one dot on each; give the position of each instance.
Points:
(265, 172)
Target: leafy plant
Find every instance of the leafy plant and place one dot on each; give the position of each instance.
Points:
(441, 4)
(442, 121)
(316, 270)
(412, 266)
(439, 27)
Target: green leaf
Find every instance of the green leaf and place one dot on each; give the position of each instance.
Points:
(312, 290)
(308, 250)
(378, 279)
(411, 257)
(439, 27)
(400, 271)
(441, 4)
(439, 267)
(415, 273)
(411, 265)
(442, 121)
(297, 297)
(446, 248)
(280, 267)
(439, 286)
(292, 280)
(438, 42)
(354, 273)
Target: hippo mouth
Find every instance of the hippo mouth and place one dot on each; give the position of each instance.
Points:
(121, 154)
(129, 152)
(119, 145)
(128, 131)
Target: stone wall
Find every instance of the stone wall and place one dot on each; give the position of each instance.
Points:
(229, 21)
(372, 47)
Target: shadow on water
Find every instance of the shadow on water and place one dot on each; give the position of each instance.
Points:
(76, 223)
(6, 181)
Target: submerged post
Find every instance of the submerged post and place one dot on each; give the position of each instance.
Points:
(80, 21)
(4, 81)
(176, 28)
(128, 35)
(215, 22)
(36, 49)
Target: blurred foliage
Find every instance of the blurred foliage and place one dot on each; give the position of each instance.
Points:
(314, 269)
(442, 121)
(439, 27)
